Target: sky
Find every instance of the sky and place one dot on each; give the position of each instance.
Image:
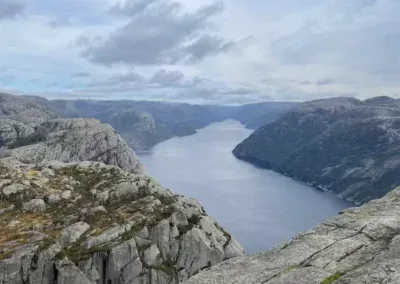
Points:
(200, 51)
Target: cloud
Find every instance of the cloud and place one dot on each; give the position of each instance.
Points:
(131, 7)
(158, 32)
(356, 35)
(10, 8)
(82, 74)
(118, 80)
(167, 78)
(241, 91)
(324, 82)
(59, 22)
(51, 85)
(191, 51)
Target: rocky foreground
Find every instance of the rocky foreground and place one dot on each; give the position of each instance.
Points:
(359, 246)
(92, 223)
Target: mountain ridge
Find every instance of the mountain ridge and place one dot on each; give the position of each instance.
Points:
(152, 122)
(342, 145)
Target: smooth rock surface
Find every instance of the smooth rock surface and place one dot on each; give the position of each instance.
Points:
(360, 245)
(74, 140)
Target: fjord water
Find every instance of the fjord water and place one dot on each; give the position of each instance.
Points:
(260, 208)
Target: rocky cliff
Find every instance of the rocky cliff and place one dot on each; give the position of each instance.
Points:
(28, 112)
(92, 223)
(361, 245)
(31, 132)
(344, 145)
(73, 140)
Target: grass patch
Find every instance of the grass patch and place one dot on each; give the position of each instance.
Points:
(290, 268)
(78, 252)
(332, 278)
(46, 243)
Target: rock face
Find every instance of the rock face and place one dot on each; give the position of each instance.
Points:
(344, 145)
(31, 133)
(19, 109)
(12, 130)
(111, 227)
(73, 140)
(361, 245)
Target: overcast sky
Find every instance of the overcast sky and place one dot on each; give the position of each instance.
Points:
(200, 51)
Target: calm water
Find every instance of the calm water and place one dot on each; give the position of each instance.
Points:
(260, 208)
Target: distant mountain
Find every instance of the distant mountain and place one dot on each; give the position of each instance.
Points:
(143, 124)
(344, 145)
(256, 115)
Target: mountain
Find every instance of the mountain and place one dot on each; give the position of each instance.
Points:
(143, 124)
(31, 133)
(360, 245)
(76, 207)
(91, 223)
(19, 109)
(74, 140)
(343, 145)
(256, 115)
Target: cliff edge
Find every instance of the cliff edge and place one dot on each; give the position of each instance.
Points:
(360, 245)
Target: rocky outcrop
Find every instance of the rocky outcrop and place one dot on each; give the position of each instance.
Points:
(92, 223)
(343, 145)
(12, 130)
(361, 245)
(74, 140)
(19, 109)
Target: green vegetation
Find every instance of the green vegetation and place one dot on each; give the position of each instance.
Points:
(290, 268)
(78, 252)
(46, 243)
(332, 278)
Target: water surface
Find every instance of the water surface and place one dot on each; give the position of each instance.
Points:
(260, 208)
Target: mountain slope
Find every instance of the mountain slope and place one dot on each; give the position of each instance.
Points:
(92, 223)
(256, 115)
(74, 140)
(343, 145)
(31, 133)
(19, 109)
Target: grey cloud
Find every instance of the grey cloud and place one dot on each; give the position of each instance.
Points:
(206, 45)
(54, 84)
(305, 82)
(167, 78)
(118, 80)
(159, 32)
(10, 8)
(81, 74)
(365, 38)
(59, 22)
(324, 82)
(132, 7)
(241, 92)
